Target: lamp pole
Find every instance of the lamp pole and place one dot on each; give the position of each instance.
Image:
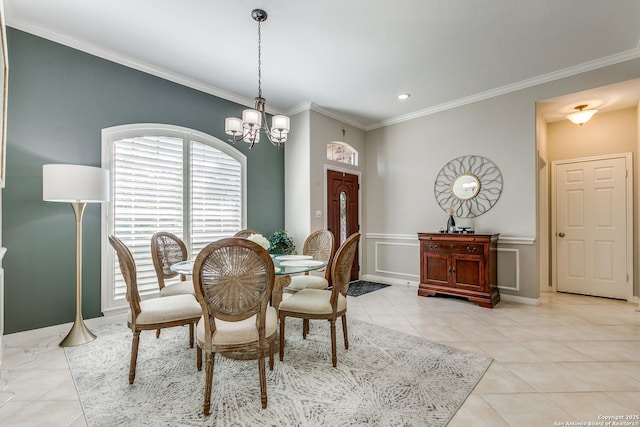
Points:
(79, 333)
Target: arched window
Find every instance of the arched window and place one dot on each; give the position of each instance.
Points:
(342, 152)
(167, 178)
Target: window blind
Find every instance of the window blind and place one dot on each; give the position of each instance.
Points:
(147, 198)
(216, 195)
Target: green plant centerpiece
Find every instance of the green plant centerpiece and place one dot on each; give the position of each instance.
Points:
(281, 243)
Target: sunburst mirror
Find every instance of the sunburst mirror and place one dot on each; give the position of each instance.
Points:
(471, 185)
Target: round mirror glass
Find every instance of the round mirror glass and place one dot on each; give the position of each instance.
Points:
(466, 187)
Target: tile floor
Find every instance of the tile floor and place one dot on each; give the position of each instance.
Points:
(569, 359)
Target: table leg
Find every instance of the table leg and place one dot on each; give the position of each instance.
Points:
(282, 281)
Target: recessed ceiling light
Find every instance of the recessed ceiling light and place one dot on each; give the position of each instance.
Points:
(404, 96)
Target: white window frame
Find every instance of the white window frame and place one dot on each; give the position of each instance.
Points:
(109, 304)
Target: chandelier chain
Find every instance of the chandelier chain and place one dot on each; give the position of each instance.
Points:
(259, 61)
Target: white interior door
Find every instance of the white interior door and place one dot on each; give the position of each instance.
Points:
(592, 208)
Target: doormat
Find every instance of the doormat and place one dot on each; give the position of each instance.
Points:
(361, 287)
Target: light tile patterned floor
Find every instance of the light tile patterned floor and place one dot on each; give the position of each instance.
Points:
(571, 358)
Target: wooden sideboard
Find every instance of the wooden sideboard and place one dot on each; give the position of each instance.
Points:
(459, 264)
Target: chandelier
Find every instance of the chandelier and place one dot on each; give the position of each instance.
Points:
(254, 120)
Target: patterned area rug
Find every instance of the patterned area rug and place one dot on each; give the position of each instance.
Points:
(361, 287)
(386, 378)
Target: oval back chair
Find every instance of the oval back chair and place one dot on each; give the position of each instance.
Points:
(166, 250)
(309, 304)
(233, 281)
(319, 245)
(155, 313)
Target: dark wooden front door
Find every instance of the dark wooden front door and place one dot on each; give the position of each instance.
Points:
(342, 215)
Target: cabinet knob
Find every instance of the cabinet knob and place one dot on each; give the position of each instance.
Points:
(472, 249)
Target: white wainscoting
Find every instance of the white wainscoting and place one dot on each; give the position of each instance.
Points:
(395, 259)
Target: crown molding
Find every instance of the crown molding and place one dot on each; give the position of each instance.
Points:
(325, 112)
(135, 64)
(523, 84)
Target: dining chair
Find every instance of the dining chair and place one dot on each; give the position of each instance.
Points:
(319, 245)
(233, 280)
(155, 313)
(246, 233)
(310, 304)
(166, 250)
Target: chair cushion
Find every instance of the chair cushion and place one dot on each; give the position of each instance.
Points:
(307, 282)
(167, 309)
(242, 332)
(312, 301)
(180, 288)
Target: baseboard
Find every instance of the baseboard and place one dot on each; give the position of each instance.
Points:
(519, 300)
(388, 280)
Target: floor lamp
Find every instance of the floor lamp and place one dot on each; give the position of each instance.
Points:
(78, 185)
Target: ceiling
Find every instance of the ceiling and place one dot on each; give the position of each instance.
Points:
(351, 59)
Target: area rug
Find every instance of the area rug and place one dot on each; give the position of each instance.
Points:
(361, 287)
(385, 378)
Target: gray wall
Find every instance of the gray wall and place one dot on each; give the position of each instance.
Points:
(59, 100)
(403, 160)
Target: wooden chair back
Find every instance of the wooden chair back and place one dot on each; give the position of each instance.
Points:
(129, 273)
(166, 250)
(341, 267)
(233, 280)
(320, 245)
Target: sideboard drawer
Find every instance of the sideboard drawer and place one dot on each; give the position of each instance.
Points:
(453, 248)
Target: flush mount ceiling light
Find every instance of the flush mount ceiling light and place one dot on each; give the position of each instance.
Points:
(254, 121)
(581, 116)
(404, 96)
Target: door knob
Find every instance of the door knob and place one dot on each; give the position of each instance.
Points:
(561, 234)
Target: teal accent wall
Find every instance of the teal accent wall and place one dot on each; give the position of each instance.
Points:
(59, 101)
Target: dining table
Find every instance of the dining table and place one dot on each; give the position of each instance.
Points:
(284, 265)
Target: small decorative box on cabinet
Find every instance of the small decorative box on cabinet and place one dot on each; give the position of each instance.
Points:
(459, 264)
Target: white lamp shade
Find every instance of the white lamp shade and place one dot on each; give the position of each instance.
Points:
(280, 124)
(74, 183)
(233, 126)
(581, 117)
(251, 119)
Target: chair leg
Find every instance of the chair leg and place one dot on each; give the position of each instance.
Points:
(271, 356)
(305, 328)
(157, 333)
(191, 329)
(282, 338)
(334, 357)
(199, 358)
(134, 356)
(208, 383)
(344, 331)
(263, 381)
